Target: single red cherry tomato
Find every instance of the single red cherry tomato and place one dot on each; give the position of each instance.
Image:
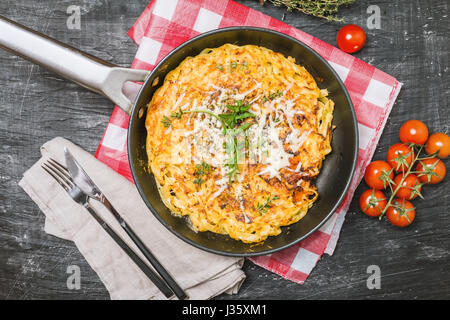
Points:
(400, 157)
(374, 171)
(410, 187)
(351, 38)
(401, 213)
(438, 142)
(414, 131)
(372, 202)
(431, 171)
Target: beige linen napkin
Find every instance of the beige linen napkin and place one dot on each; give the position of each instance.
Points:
(203, 275)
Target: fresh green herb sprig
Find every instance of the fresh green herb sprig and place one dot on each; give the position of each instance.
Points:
(201, 170)
(264, 207)
(272, 96)
(234, 148)
(325, 9)
(233, 66)
(167, 122)
(239, 112)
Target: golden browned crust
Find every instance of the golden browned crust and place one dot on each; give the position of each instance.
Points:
(281, 141)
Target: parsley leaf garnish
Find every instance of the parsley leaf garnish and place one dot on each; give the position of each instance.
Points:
(240, 111)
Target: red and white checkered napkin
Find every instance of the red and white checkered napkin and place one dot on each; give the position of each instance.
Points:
(165, 24)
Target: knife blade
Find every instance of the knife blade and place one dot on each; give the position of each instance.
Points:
(80, 177)
(85, 183)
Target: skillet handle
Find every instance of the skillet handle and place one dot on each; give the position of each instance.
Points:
(88, 71)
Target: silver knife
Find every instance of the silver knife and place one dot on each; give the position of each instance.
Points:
(85, 183)
(80, 177)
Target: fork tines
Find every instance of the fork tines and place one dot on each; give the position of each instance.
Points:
(58, 172)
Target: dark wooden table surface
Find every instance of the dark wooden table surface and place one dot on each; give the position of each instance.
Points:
(36, 105)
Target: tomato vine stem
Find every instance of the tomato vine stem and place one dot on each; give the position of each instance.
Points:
(399, 185)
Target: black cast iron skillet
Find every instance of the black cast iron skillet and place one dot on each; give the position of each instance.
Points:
(107, 79)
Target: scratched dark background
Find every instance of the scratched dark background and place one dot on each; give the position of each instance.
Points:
(36, 106)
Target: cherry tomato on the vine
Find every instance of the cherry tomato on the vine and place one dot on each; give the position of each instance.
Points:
(401, 213)
(414, 131)
(400, 157)
(438, 142)
(431, 171)
(351, 38)
(372, 202)
(378, 174)
(406, 170)
(410, 187)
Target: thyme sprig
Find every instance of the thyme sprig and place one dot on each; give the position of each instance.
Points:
(325, 9)
(272, 96)
(264, 207)
(233, 65)
(201, 170)
(167, 122)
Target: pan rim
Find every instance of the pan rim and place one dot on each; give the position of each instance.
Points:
(349, 178)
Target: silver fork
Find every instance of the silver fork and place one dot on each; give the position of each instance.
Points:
(59, 173)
